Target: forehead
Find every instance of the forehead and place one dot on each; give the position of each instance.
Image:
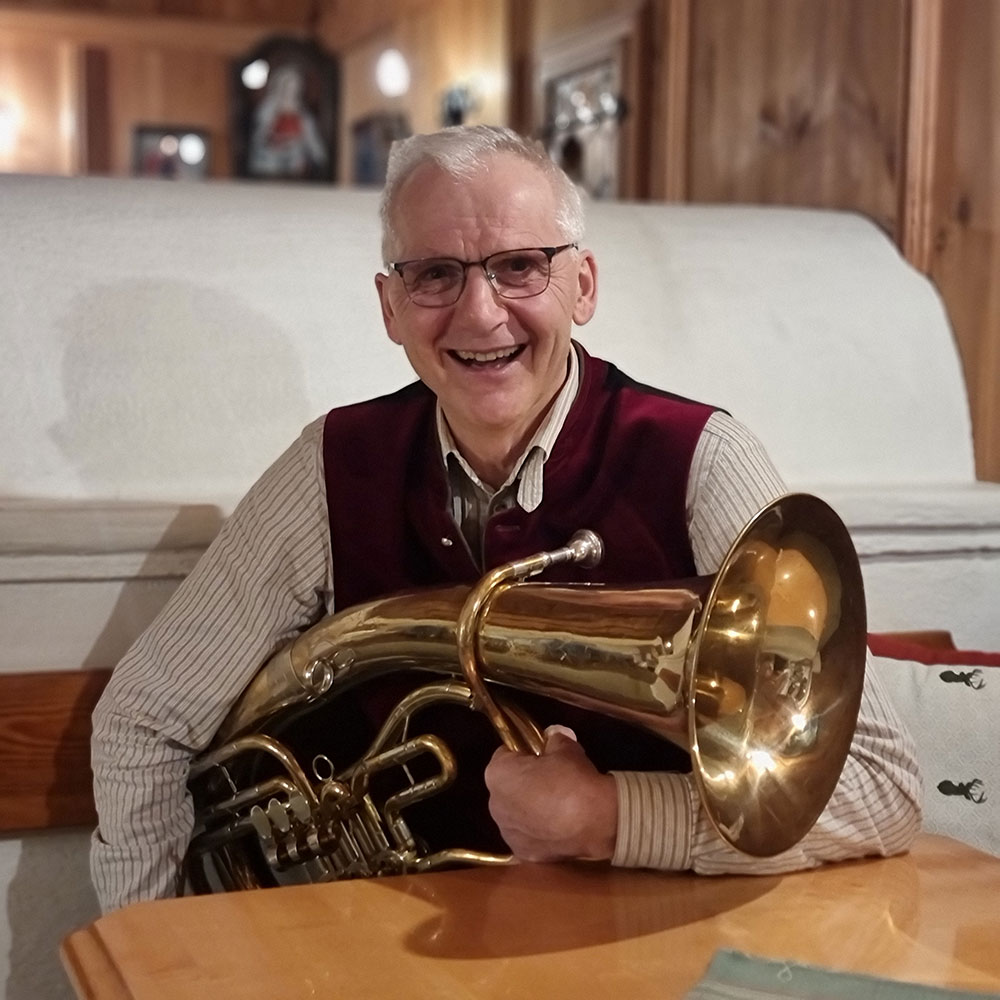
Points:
(505, 203)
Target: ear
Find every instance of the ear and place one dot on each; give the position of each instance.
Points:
(382, 286)
(586, 296)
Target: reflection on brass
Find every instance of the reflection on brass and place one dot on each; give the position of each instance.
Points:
(755, 672)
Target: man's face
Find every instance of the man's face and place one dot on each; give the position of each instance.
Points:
(495, 364)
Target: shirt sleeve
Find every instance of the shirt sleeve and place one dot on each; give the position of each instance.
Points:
(263, 579)
(876, 805)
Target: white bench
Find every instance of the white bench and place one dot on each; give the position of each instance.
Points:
(163, 342)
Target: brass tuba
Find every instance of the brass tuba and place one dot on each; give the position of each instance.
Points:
(755, 672)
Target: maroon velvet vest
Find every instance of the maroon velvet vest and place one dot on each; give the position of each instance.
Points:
(620, 467)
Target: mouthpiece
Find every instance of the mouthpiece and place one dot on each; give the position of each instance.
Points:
(587, 548)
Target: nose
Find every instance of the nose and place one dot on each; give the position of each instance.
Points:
(479, 299)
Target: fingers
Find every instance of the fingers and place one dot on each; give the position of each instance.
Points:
(551, 731)
(554, 806)
(557, 739)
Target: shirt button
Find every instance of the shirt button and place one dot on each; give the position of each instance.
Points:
(446, 541)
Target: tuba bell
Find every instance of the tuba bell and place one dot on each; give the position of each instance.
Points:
(755, 673)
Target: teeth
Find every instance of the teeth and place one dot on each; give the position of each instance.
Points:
(483, 356)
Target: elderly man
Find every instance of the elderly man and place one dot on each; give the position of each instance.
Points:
(512, 437)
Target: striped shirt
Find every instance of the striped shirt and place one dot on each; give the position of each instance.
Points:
(473, 502)
(268, 575)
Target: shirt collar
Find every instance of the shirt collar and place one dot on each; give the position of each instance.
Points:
(528, 469)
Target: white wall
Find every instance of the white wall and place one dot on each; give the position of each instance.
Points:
(173, 338)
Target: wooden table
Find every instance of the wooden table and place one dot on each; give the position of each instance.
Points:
(932, 916)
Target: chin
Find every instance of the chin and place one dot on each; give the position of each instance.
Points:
(502, 415)
(491, 410)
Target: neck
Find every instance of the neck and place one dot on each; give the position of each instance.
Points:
(492, 456)
(492, 452)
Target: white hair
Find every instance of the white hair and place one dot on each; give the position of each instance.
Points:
(461, 151)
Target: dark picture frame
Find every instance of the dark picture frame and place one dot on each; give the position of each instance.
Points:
(587, 87)
(171, 152)
(285, 129)
(583, 115)
(372, 136)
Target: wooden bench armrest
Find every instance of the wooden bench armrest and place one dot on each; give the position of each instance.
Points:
(45, 777)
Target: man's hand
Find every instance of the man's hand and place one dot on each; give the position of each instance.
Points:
(553, 807)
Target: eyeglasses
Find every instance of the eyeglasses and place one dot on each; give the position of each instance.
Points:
(513, 274)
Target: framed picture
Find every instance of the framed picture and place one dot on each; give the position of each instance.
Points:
(583, 114)
(372, 136)
(286, 112)
(586, 82)
(171, 152)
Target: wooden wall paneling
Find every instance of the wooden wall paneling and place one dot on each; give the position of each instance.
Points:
(38, 84)
(345, 25)
(71, 108)
(359, 95)
(290, 13)
(158, 71)
(167, 85)
(669, 114)
(276, 12)
(554, 19)
(472, 45)
(798, 103)
(965, 206)
(96, 132)
(446, 43)
(137, 97)
(520, 34)
(637, 134)
(916, 229)
(104, 29)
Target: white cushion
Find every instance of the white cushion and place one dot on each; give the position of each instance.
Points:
(952, 710)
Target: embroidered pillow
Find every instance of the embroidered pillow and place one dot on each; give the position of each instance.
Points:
(950, 701)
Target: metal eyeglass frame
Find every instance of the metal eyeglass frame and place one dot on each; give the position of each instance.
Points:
(504, 293)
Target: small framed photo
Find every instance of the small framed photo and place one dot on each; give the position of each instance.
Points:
(286, 112)
(170, 152)
(372, 136)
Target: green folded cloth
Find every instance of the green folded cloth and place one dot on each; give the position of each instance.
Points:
(732, 975)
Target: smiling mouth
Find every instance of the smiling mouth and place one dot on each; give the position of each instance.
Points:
(487, 357)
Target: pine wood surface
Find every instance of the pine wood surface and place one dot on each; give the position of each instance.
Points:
(554, 931)
(45, 777)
